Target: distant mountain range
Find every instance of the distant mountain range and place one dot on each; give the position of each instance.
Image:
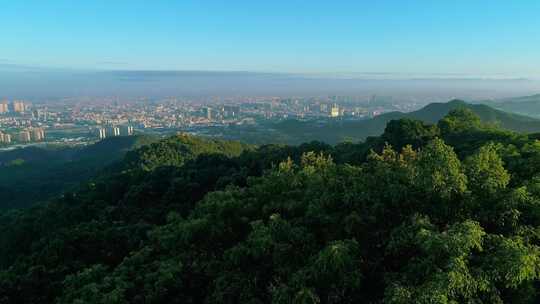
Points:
(335, 131)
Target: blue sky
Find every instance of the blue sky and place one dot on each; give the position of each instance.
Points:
(398, 37)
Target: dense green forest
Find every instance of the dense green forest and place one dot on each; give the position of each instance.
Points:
(424, 213)
(35, 174)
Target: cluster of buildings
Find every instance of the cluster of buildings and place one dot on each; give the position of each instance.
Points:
(17, 124)
(16, 106)
(5, 138)
(191, 113)
(87, 119)
(113, 131)
(23, 136)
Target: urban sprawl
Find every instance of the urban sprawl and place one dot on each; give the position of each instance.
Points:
(87, 120)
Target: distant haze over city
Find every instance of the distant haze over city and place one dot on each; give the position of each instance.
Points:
(429, 50)
(17, 81)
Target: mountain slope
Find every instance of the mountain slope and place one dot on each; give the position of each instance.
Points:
(514, 122)
(526, 105)
(29, 175)
(337, 131)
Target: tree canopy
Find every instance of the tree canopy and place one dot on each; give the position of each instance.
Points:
(408, 217)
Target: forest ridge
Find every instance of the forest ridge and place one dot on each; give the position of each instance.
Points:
(425, 213)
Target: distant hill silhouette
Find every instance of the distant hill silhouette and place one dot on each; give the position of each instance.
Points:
(526, 105)
(336, 131)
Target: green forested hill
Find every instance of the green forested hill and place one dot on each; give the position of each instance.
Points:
(335, 131)
(29, 175)
(444, 213)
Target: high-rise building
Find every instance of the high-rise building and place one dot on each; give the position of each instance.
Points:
(126, 130)
(24, 136)
(40, 115)
(101, 133)
(5, 138)
(4, 107)
(231, 111)
(334, 112)
(18, 106)
(113, 131)
(207, 113)
(116, 131)
(38, 134)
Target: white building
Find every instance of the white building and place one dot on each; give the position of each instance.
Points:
(115, 131)
(126, 130)
(101, 133)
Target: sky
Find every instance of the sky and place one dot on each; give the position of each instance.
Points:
(451, 38)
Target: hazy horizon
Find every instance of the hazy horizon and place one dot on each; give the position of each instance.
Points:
(416, 49)
(17, 81)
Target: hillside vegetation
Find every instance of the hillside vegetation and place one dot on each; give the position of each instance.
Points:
(424, 213)
(31, 175)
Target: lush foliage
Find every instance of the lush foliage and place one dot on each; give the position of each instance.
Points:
(446, 213)
(34, 174)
